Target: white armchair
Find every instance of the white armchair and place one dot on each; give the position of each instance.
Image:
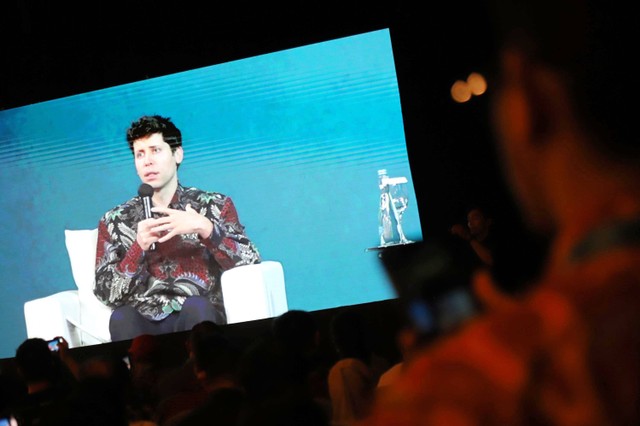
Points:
(250, 292)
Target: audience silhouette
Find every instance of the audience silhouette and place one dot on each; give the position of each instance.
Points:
(353, 377)
(184, 387)
(48, 381)
(478, 234)
(103, 395)
(221, 395)
(299, 334)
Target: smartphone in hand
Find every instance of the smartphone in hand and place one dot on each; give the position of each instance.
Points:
(8, 421)
(53, 344)
(433, 284)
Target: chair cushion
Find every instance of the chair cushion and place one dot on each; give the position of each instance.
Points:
(264, 282)
(93, 317)
(81, 246)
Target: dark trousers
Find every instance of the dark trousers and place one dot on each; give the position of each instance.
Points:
(126, 322)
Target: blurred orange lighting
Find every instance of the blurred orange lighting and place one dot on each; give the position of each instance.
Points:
(463, 91)
(477, 83)
(460, 91)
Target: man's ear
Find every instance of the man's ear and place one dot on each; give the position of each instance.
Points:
(549, 102)
(511, 110)
(178, 154)
(538, 100)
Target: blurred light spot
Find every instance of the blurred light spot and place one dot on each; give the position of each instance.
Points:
(463, 91)
(477, 83)
(460, 91)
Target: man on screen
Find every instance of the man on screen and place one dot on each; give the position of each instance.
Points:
(160, 269)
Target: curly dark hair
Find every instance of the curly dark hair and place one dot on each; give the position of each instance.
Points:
(149, 124)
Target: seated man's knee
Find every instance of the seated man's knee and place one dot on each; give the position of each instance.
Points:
(196, 303)
(123, 314)
(197, 309)
(125, 323)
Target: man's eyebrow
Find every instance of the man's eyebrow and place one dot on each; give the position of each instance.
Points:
(149, 146)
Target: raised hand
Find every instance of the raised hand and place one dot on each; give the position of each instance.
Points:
(178, 222)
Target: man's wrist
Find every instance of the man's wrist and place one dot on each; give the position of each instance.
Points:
(207, 230)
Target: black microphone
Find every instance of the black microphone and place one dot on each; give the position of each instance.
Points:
(146, 192)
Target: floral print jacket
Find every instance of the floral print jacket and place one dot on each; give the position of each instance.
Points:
(157, 282)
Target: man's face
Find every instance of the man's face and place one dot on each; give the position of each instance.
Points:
(514, 113)
(155, 163)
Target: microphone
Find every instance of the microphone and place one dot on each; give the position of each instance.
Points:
(146, 192)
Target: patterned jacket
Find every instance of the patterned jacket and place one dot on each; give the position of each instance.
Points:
(157, 282)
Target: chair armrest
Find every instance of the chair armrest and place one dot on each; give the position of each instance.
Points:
(46, 317)
(93, 320)
(252, 292)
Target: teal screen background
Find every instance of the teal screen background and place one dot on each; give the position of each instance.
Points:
(295, 137)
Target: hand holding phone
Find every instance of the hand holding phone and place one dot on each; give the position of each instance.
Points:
(8, 421)
(433, 283)
(54, 344)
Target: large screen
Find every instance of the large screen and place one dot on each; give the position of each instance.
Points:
(295, 137)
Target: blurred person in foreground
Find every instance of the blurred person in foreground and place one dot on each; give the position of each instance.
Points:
(566, 352)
